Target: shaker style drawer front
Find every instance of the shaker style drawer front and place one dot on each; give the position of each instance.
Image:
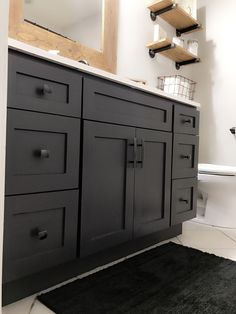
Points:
(37, 85)
(186, 120)
(185, 156)
(109, 102)
(40, 232)
(184, 200)
(42, 152)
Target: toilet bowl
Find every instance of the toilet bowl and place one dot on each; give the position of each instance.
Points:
(216, 195)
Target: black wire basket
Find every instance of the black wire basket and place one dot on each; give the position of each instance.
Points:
(177, 85)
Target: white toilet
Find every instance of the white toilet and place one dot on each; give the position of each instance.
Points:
(216, 195)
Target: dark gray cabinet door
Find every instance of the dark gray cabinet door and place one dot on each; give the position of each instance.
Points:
(40, 231)
(42, 152)
(185, 156)
(107, 186)
(152, 182)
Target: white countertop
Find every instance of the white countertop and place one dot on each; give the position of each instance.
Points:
(17, 45)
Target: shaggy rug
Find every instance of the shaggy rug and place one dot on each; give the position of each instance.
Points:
(168, 279)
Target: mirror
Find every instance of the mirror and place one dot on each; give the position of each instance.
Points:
(78, 20)
(47, 26)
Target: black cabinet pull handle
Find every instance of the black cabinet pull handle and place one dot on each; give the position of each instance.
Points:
(140, 147)
(46, 89)
(132, 160)
(43, 153)
(188, 157)
(187, 121)
(182, 200)
(40, 234)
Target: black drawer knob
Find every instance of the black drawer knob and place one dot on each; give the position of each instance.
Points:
(42, 153)
(188, 157)
(40, 234)
(46, 89)
(182, 200)
(187, 121)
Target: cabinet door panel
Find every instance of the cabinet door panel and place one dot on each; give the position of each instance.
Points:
(107, 192)
(152, 182)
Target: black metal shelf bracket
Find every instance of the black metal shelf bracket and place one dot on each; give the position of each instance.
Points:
(233, 130)
(154, 15)
(178, 65)
(179, 32)
(153, 52)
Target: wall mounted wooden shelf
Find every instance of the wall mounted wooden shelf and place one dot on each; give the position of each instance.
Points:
(173, 14)
(172, 51)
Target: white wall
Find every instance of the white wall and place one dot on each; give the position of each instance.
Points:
(3, 95)
(134, 32)
(216, 77)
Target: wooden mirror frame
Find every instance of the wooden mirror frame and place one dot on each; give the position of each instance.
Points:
(41, 38)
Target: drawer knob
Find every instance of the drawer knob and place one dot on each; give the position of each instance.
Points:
(188, 157)
(182, 200)
(187, 121)
(46, 89)
(43, 153)
(40, 234)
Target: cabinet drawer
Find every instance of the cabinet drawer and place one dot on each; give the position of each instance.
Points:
(40, 231)
(185, 156)
(184, 200)
(42, 152)
(37, 85)
(186, 120)
(108, 102)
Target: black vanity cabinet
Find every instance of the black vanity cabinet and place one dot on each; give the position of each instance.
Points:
(95, 171)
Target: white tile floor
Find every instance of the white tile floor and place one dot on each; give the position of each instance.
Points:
(218, 241)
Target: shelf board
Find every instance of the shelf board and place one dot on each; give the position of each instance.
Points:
(176, 16)
(175, 53)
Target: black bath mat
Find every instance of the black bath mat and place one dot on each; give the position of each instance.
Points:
(168, 279)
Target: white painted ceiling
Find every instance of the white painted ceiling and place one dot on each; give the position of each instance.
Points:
(60, 13)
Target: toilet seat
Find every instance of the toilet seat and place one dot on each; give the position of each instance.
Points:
(216, 170)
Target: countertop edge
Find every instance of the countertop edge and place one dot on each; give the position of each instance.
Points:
(28, 49)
